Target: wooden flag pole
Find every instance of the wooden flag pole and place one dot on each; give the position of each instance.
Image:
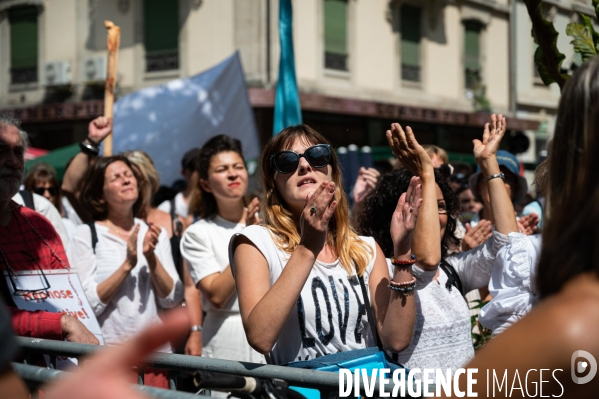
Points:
(113, 42)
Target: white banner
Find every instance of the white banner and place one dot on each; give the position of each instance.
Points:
(167, 120)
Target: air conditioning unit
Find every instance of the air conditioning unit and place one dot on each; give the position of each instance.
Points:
(93, 69)
(58, 73)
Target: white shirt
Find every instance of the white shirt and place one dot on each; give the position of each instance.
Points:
(442, 335)
(181, 206)
(204, 246)
(46, 208)
(512, 282)
(135, 304)
(69, 212)
(329, 316)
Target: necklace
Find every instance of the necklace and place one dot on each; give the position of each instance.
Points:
(122, 233)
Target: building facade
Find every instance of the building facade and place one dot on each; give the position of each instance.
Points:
(437, 65)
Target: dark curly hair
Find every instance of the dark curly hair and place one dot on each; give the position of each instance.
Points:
(206, 205)
(375, 219)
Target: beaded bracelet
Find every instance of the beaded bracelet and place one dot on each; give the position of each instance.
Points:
(403, 283)
(403, 290)
(403, 262)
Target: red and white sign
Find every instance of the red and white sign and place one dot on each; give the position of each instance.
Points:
(64, 295)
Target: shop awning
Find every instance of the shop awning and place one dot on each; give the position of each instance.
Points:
(57, 159)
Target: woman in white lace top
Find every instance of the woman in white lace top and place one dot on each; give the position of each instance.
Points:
(442, 337)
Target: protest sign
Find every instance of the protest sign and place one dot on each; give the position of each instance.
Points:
(57, 291)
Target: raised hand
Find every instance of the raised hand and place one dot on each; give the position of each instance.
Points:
(252, 216)
(404, 218)
(318, 211)
(492, 135)
(151, 238)
(132, 248)
(365, 183)
(99, 128)
(528, 224)
(407, 150)
(476, 235)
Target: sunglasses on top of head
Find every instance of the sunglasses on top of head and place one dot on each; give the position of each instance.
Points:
(318, 156)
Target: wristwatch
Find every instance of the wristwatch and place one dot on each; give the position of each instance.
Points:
(196, 328)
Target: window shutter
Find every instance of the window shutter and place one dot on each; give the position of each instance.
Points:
(23, 37)
(161, 26)
(411, 34)
(335, 26)
(472, 46)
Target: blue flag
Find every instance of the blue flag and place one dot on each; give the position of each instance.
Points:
(287, 105)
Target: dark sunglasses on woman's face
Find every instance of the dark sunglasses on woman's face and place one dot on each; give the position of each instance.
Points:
(42, 190)
(318, 156)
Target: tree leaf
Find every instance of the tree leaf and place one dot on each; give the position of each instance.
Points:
(547, 56)
(596, 7)
(584, 37)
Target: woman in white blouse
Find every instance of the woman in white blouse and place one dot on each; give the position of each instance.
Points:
(223, 184)
(442, 335)
(124, 264)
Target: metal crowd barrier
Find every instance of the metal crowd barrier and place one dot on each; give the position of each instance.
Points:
(326, 382)
(35, 376)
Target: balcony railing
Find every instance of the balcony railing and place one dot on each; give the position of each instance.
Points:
(410, 73)
(162, 61)
(335, 61)
(23, 75)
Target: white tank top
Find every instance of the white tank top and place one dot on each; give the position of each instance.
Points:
(330, 314)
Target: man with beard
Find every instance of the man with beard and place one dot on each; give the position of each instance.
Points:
(28, 241)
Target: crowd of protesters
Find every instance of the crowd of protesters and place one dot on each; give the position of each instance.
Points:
(297, 273)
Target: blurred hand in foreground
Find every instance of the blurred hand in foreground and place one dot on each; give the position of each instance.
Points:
(106, 375)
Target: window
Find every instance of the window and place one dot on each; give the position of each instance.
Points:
(411, 33)
(23, 44)
(335, 34)
(472, 54)
(161, 34)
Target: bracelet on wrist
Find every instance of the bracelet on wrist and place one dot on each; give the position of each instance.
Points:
(92, 142)
(196, 328)
(495, 176)
(404, 288)
(403, 262)
(89, 149)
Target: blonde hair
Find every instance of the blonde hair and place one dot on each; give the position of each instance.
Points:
(351, 250)
(436, 150)
(144, 163)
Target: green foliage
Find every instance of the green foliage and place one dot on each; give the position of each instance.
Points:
(483, 335)
(480, 101)
(547, 56)
(585, 38)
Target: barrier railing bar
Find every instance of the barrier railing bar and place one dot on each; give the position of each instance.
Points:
(321, 380)
(41, 375)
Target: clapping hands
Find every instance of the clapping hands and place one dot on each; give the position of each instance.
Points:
(486, 149)
(404, 218)
(407, 150)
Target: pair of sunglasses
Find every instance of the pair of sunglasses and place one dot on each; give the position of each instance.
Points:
(42, 190)
(318, 156)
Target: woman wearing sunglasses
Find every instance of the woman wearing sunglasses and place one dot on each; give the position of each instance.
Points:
(298, 275)
(41, 180)
(223, 184)
(442, 335)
